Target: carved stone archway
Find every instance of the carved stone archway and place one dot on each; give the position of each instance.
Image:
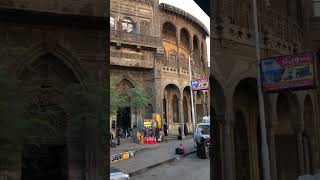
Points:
(45, 79)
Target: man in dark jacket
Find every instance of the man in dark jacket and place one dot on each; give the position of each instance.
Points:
(185, 129)
(180, 133)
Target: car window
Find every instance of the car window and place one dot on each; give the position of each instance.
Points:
(205, 129)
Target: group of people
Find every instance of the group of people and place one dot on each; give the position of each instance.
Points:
(185, 129)
(132, 132)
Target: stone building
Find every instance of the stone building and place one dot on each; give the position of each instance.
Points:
(66, 44)
(150, 46)
(291, 117)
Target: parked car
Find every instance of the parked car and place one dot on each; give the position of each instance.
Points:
(202, 138)
(117, 174)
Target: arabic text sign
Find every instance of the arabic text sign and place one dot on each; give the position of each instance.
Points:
(288, 72)
(200, 84)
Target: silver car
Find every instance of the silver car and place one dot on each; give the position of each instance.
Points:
(116, 174)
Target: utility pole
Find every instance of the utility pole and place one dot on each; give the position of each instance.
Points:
(191, 94)
(264, 144)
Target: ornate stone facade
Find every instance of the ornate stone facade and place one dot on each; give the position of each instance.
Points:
(65, 45)
(150, 46)
(291, 117)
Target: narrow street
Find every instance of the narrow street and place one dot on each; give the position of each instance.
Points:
(188, 168)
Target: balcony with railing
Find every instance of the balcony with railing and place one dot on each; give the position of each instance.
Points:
(134, 39)
(172, 65)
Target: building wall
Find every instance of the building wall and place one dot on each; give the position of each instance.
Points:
(234, 72)
(84, 7)
(69, 52)
(143, 57)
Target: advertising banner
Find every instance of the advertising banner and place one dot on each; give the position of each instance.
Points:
(200, 84)
(288, 72)
(147, 123)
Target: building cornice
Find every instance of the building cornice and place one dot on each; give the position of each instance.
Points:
(184, 14)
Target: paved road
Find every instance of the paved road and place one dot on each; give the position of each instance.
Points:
(188, 168)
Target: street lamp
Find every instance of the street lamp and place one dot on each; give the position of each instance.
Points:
(264, 145)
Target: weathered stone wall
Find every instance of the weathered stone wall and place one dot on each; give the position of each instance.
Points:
(82, 7)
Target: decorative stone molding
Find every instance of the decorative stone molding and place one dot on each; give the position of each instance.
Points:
(146, 2)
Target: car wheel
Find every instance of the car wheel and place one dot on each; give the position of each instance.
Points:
(198, 149)
(202, 149)
(207, 152)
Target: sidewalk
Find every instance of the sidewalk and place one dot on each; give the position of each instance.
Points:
(129, 145)
(148, 156)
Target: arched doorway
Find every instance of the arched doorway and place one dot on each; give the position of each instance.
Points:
(246, 131)
(287, 161)
(187, 114)
(241, 147)
(45, 79)
(124, 113)
(172, 109)
(175, 109)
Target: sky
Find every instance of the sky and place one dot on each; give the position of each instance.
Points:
(192, 8)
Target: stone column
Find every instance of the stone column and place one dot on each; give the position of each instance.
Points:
(190, 113)
(300, 153)
(221, 118)
(166, 98)
(181, 115)
(273, 158)
(169, 113)
(254, 152)
(191, 43)
(229, 160)
(75, 161)
(314, 155)
(178, 51)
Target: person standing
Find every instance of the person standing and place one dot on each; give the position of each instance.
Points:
(118, 136)
(185, 129)
(165, 129)
(180, 133)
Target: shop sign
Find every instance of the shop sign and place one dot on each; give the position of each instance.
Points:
(291, 72)
(200, 84)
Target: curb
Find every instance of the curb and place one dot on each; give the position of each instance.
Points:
(140, 171)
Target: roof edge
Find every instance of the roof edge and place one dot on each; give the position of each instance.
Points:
(185, 14)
